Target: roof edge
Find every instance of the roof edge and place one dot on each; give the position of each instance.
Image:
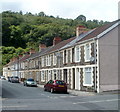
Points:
(107, 30)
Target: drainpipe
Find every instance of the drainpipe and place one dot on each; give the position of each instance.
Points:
(95, 64)
(98, 69)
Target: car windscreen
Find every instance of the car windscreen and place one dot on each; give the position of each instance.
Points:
(15, 77)
(30, 80)
(60, 82)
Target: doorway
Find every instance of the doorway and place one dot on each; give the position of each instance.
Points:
(65, 75)
(73, 78)
(77, 79)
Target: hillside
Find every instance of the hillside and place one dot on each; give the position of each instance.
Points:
(20, 32)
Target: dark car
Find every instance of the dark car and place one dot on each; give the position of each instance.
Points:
(14, 79)
(56, 86)
(30, 82)
(9, 79)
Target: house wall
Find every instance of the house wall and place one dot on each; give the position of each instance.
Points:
(108, 61)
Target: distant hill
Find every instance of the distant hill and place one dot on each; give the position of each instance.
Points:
(29, 30)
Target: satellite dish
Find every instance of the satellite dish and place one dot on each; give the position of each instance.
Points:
(92, 59)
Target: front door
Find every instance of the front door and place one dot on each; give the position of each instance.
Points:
(77, 79)
(65, 75)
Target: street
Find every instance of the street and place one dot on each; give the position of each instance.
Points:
(15, 96)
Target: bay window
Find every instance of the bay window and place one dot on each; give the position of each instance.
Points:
(88, 76)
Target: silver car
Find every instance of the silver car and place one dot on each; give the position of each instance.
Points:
(30, 82)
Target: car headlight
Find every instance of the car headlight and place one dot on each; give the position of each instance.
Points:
(28, 82)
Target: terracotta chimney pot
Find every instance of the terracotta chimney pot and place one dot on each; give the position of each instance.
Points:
(56, 40)
(41, 47)
(80, 29)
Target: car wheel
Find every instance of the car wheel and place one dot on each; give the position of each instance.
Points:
(51, 90)
(65, 92)
(45, 89)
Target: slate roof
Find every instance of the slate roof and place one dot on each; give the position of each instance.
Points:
(24, 58)
(72, 41)
(90, 34)
(52, 48)
(99, 30)
(69, 42)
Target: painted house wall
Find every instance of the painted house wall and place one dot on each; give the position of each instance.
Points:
(108, 61)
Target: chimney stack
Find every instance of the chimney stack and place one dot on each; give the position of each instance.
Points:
(56, 40)
(80, 29)
(41, 47)
(32, 51)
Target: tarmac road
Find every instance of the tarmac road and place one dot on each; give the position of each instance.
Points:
(15, 96)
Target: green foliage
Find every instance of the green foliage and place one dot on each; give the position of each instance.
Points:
(29, 30)
(81, 18)
(10, 52)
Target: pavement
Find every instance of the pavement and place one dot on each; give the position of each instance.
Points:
(75, 92)
(84, 93)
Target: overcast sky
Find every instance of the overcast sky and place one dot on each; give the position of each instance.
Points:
(106, 10)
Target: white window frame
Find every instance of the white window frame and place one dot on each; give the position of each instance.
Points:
(50, 60)
(47, 60)
(84, 76)
(54, 59)
(42, 76)
(63, 57)
(66, 55)
(42, 64)
(77, 54)
(87, 52)
(71, 55)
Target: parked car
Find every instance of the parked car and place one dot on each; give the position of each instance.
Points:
(9, 79)
(55, 86)
(30, 82)
(14, 79)
(3, 78)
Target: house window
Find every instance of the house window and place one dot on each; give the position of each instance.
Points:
(42, 62)
(88, 77)
(42, 76)
(70, 55)
(77, 54)
(54, 59)
(49, 60)
(64, 56)
(87, 52)
(73, 55)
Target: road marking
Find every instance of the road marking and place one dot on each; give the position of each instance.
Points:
(97, 101)
(63, 96)
(54, 97)
(42, 94)
(3, 98)
(11, 106)
(67, 96)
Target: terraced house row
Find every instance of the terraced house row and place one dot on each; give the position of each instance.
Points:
(87, 62)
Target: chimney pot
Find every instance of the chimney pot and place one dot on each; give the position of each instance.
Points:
(80, 29)
(41, 47)
(32, 51)
(56, 40)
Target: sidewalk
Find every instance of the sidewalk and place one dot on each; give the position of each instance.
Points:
(75, 92)
(84, 93)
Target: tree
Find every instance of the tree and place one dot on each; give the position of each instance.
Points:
(42, 14)
(81, 18)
